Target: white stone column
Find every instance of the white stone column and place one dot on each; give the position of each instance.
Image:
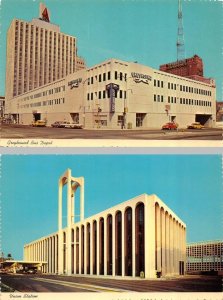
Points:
(53, 254)
(60, 231)
(158, 238)
(163, 240)
(123, 243)
(167, 243)
(113, 245)
(69, 221)
(85, 249)
(91, 248)
(75, 257)
(171, 245)
(82, 200)
(50, 255)
(134, 241)
(47, 256)
(149, 238)
(80, 246)
(98, 252)
(105, 245)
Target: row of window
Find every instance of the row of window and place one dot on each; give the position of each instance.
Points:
(183, 88)
(45, 93)
(106, 94)
(107, 76)
(45, 103)
(160, 98)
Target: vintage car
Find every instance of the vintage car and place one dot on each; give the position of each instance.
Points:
(195, 125)
(39, 123)
(74, 125)
(59, 124)
(169, 126)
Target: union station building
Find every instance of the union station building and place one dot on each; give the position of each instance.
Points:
(139, 237)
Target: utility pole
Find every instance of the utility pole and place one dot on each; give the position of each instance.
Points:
(180, 34)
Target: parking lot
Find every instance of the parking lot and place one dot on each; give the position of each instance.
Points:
(56, 283)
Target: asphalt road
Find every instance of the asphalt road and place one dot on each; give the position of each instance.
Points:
(29, 132)
(54, 283)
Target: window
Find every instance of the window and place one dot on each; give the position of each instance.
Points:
(168, 85)
(99, 95)
(99, 77)
(116, 75)
(158, 98)
(109, 75)
(162, 98)
(158, 83)
(154, 98)
(168, 99)
(120, 94)
(154, 82)
(104, 76)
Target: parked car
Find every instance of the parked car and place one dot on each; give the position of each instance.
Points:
(195, 125)
(31, 271)
(58, 124)
(74, 125)
(39, 123)
(169, 126)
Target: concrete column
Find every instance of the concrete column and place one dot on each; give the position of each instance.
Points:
(163, 241)
(91, 248)
(80, 245)
(60, 232)
(113, 245)
(158, 239)
(167, 243)
(85, 249)
(174, 246)
(105, 245)
(123, 243)
(74, 258)
(69, 220)
(47, 257)
(53, 254)
(50, 255)
(56, 270)
(149, 226)
(82, 200)
(134, 242)
(171, 247)
(98, 252)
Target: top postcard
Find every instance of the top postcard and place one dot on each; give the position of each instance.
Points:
(142, 71)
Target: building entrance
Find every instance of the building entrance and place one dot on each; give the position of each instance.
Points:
(36, 116)
(181, 267)
(204, 119)
(139, 119)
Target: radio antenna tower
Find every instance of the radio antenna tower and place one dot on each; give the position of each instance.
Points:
(180, 34)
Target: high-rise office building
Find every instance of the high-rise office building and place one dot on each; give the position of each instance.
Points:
(37, 54)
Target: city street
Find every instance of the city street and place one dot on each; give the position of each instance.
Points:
(29, 132)
(55, 283)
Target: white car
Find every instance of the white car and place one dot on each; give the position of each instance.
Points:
(73, 125)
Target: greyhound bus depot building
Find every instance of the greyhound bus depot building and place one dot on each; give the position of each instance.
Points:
(118, 94)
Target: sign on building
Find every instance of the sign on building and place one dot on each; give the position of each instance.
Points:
(112, 88)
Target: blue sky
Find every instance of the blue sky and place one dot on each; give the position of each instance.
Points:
(191, 185)
(140, 30)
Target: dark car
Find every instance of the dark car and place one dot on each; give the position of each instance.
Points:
(170, 126)
(56, 124)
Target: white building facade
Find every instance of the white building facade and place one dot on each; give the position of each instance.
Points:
(139, 237)
(38, 53)
(117, 94)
